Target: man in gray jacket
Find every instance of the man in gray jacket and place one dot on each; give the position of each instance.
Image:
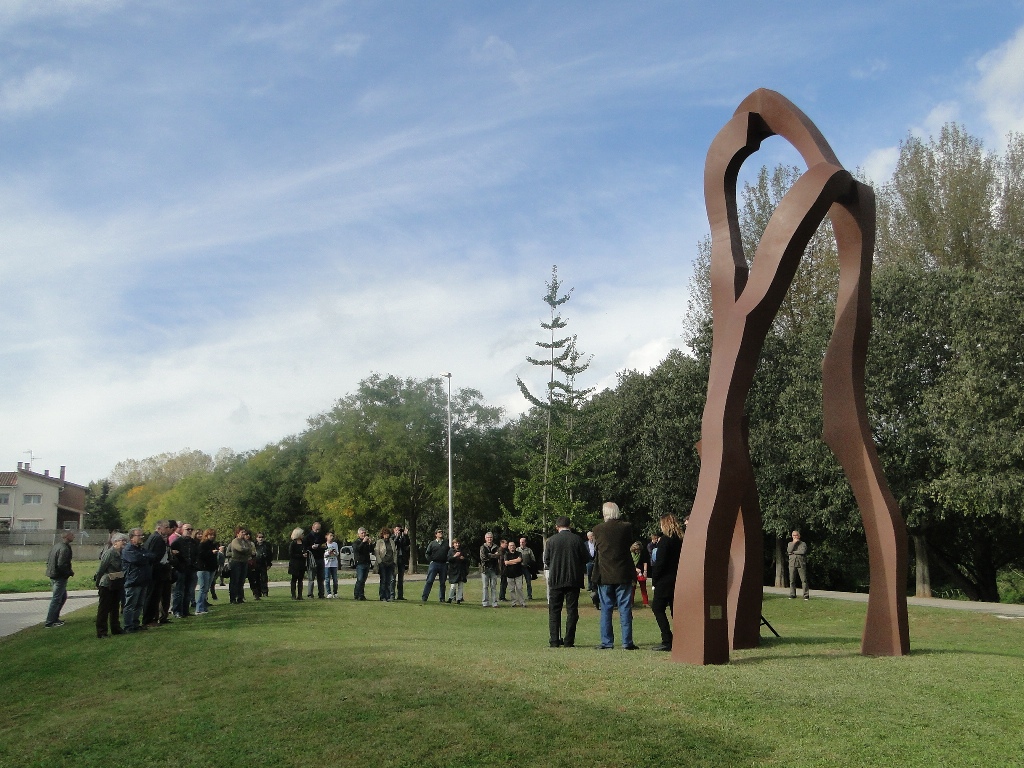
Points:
(797, 551)
(58, 571)
(615, 574)
(565, 559)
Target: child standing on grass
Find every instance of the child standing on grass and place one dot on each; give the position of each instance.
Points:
(331, 565)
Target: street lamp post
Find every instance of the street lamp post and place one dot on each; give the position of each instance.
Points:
(451, 512)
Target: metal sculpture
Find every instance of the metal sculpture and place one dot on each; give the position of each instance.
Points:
(718, 591)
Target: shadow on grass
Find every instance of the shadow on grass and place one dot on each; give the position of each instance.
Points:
(303, 684)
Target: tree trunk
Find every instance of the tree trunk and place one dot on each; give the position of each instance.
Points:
(413, 558)
(780, 569)
(922, 572)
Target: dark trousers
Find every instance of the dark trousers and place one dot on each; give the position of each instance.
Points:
(158, 603)
(297, 586)
(258, 580)
(107, 611)
(387, 575)
(661, 603)
(398, 584)
(571, 597)
(236, 582)
(504, 585)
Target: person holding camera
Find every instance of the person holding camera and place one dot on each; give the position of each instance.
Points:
(387, 557)
(361, 555)
(316, 545)
(402, 543)
(458, 572)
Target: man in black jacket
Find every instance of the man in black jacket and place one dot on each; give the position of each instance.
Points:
(58, 570)
(361, 556)
(402, 543)
(565, 559)
(437, 556)
(316, 544)
(158, 600)
(185, 551)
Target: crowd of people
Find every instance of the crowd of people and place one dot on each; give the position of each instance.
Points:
(143, 581)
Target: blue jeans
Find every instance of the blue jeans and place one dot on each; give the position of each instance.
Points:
(203, 579)
(435, 570)
(490, 585)
(331, 576)
(57, 600)
(362, 571)
(134, 598)
(618, 596)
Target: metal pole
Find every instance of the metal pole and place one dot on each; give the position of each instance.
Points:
(451, 512)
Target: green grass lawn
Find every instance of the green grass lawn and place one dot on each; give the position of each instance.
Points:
(340, 683)
(31, 577)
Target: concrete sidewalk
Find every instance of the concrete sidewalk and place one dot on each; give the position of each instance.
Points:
(1008, 610)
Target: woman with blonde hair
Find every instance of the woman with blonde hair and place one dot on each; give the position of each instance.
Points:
(296, 563)
(664, 564)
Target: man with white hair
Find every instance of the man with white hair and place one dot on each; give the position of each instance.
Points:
(614, 574)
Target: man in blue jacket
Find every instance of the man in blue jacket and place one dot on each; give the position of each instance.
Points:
(137, 563)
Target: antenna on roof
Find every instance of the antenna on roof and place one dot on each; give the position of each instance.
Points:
(31, 456)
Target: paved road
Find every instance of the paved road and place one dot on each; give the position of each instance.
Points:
(29, 609)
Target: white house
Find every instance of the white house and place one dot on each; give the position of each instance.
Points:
(30, 501)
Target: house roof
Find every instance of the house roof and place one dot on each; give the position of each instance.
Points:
(8, 479)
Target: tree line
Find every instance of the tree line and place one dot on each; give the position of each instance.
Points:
(944, 377)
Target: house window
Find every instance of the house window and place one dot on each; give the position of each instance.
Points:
(5, 524)
(70, 525)
(29, 525)
(32, 498)
(5, 498)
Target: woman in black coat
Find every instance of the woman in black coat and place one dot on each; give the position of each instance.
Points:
(296, 563)
(663, 567)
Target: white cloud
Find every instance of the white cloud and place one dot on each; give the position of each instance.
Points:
(1001, 87)
(348, 45)
(880, 163)
(942, 113)
(38, 89)
(19, 11)
(869, 70)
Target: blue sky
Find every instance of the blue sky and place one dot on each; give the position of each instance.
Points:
(216, 218)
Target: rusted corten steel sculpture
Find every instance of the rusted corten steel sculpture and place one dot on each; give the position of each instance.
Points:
(718, 592)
